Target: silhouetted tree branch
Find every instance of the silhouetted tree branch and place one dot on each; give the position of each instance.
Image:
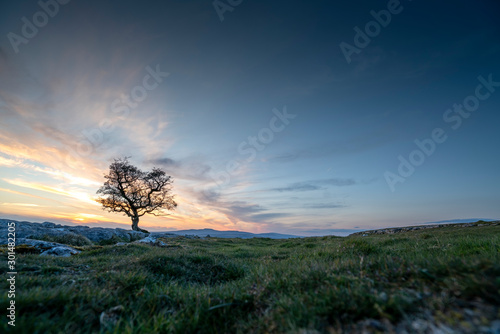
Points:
(135, 193)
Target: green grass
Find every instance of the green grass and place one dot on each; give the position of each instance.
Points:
(215, 285)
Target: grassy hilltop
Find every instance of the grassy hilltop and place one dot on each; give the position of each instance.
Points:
(446, 278)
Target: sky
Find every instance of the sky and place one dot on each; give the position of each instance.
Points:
(271, 116)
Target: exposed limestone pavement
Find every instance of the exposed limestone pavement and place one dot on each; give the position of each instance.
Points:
(55, 239)
(394, 230)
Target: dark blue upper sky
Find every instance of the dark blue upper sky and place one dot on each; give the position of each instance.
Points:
(344, 157)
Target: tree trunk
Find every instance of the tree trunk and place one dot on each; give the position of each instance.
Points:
(135, 225)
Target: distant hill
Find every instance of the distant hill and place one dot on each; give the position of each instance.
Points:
(458, 221)
(394, 230)
(229, 234)
(318, 232)
(105, 232)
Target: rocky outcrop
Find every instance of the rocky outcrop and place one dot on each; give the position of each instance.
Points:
(42, 247)
(49, 230)
(55, 239)
(395, 230)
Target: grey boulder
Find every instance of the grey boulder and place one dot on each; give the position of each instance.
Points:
(60, 251)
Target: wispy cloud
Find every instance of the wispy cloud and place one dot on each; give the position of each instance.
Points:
(74, 194)
(21, 193)
(238, 212)
(20, 204)
(316, 185)
(190, 168)
(56, 174)
(354, 144)
(325, 206)
(299, 186)
(8, 162)
(266, 217)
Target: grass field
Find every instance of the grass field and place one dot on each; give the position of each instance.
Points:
(447, 278)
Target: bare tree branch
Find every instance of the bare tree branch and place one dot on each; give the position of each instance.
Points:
(135, 193)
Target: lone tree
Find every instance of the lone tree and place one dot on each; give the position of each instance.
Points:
(129, 190)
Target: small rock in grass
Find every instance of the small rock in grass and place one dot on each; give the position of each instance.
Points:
(419, 325)
(149, 240)
(60, 251)
(110, 317)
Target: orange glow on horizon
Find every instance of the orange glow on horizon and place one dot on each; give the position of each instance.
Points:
(53, 191)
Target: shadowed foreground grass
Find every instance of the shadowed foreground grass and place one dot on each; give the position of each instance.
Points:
(325, 284)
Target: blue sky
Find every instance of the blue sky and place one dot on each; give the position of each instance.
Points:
(218, 84)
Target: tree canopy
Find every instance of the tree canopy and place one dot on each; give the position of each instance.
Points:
(131, 191)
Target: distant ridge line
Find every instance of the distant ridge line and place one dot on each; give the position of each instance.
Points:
(394, 230)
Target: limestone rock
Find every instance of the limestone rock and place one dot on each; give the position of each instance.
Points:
(44, 247)
(60, 232)
(151, 241)
(61, 251)
(109, 318)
